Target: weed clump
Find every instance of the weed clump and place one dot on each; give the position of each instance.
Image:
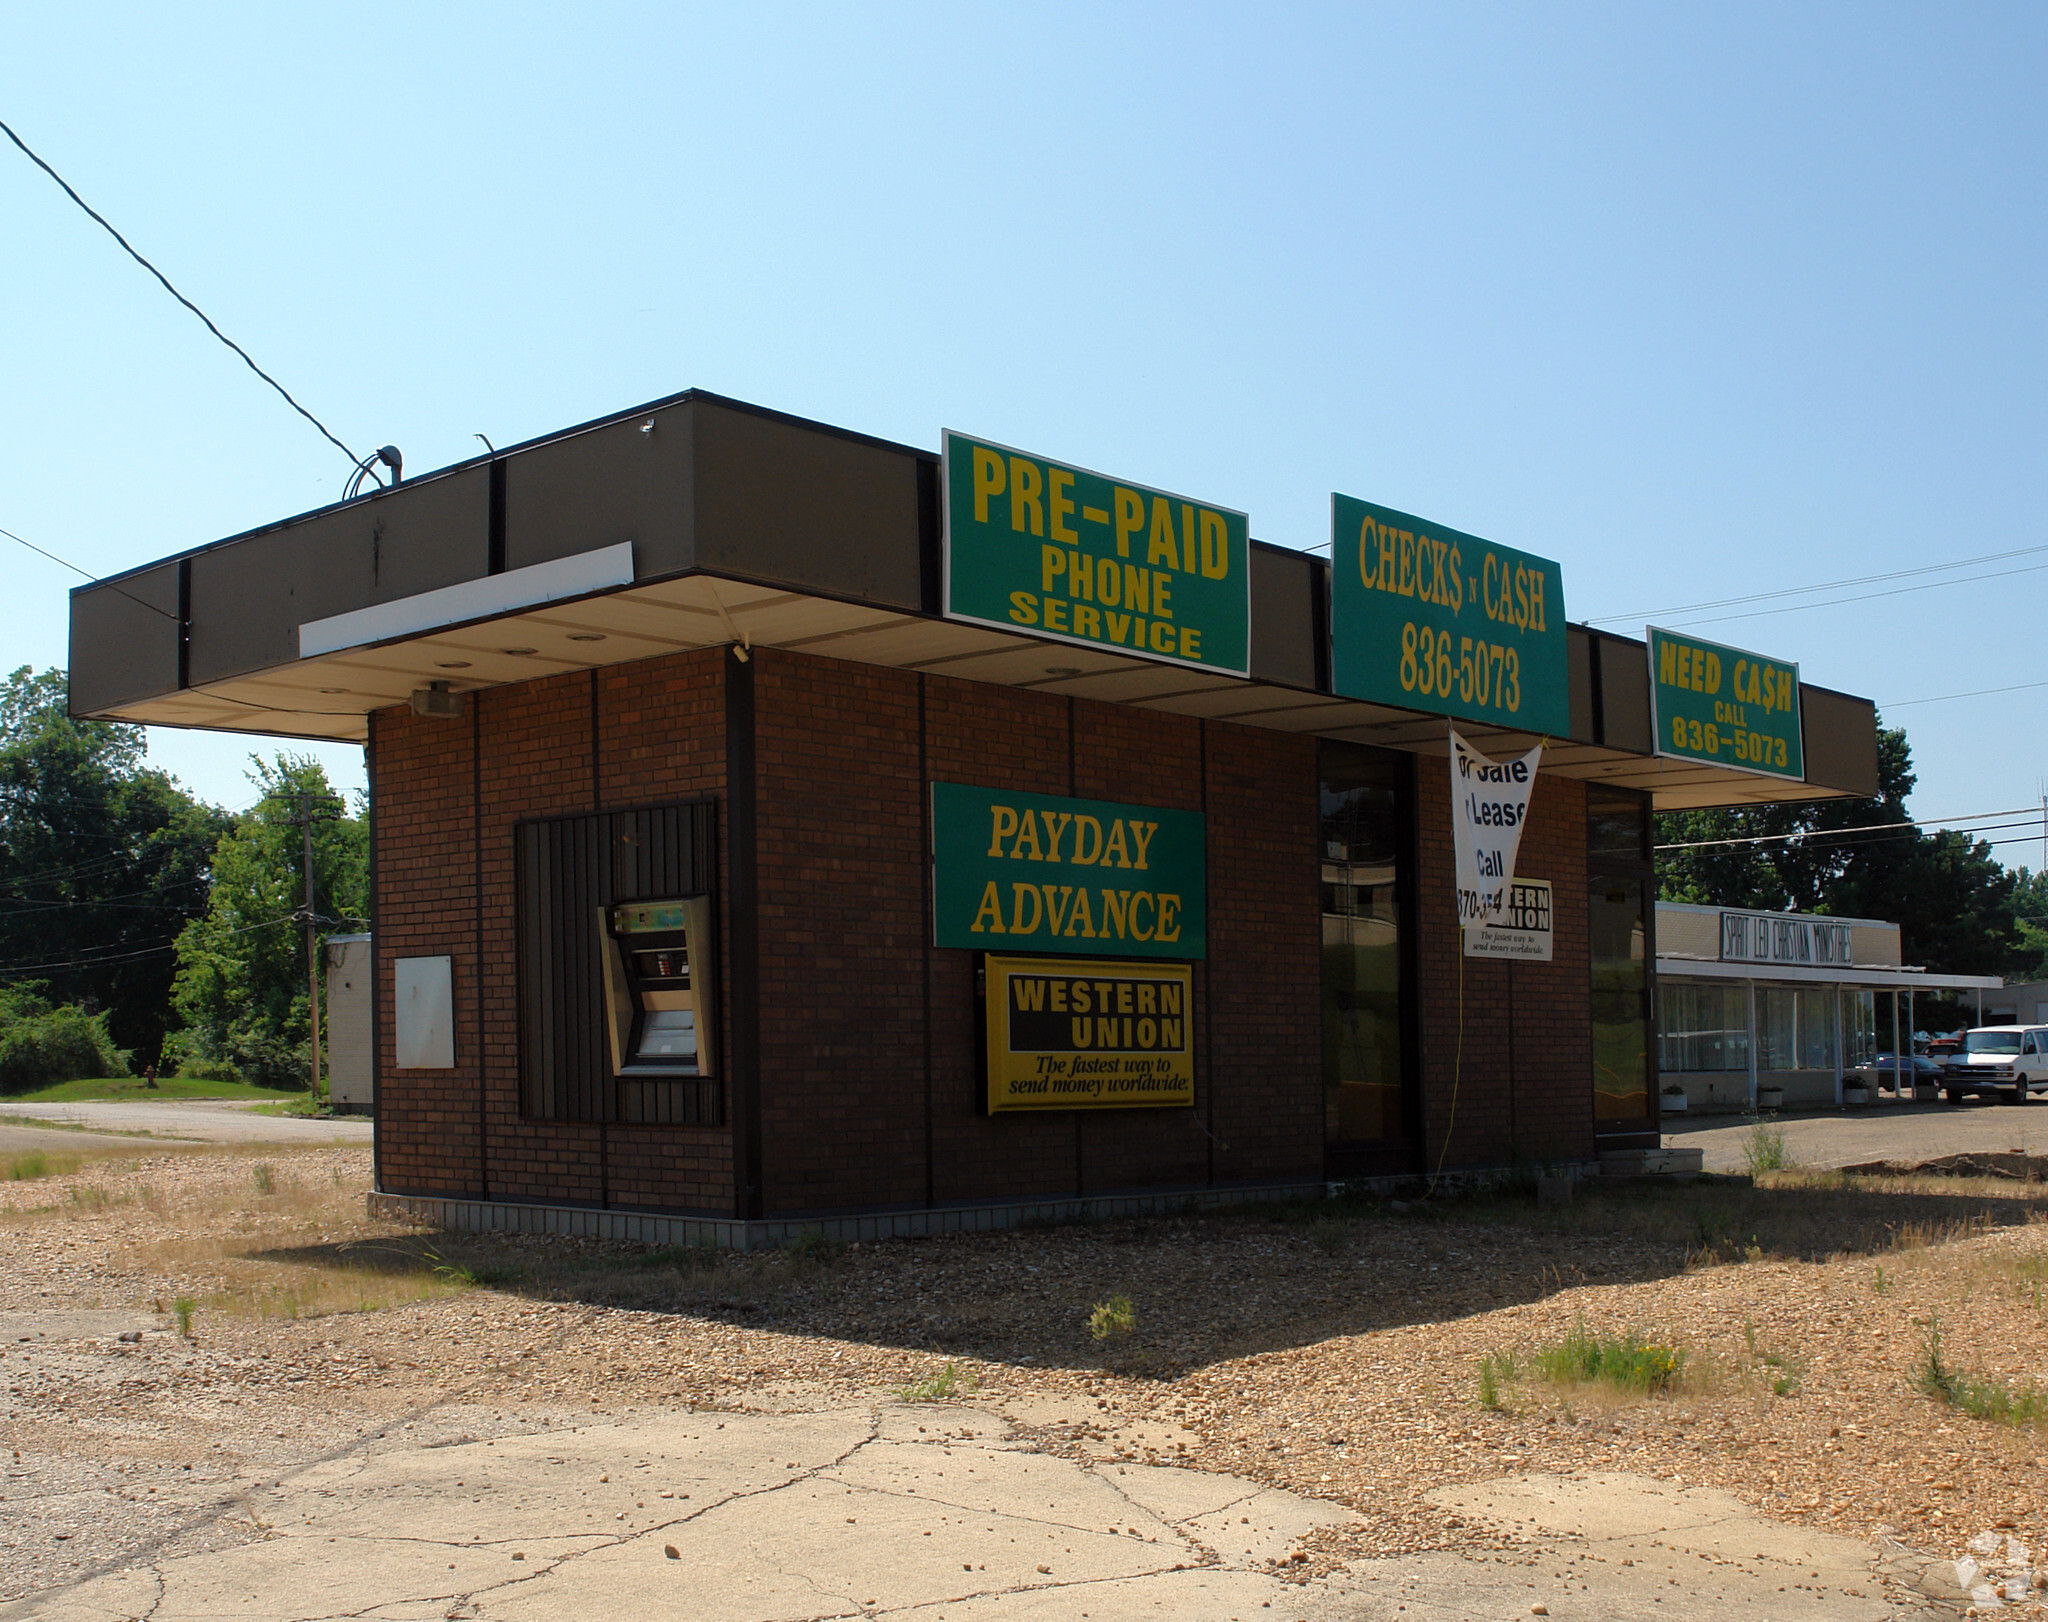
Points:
(1113, 1320)
(1627, 1362)
(1765, 1150)
(937, 1385)
(1977, 1395)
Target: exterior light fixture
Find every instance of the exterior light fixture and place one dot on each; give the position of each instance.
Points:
(437, 702)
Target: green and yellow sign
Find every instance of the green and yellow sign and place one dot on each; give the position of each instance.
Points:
(1725, 706)
(1076, 1035)
(1426, 618)
(1037, 872)
(1040, 546)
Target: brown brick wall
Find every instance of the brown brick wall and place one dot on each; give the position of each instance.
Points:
(427, 1120)
(1524, 1085)
(844, 1079)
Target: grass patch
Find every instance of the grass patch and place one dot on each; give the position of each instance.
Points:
(40, 1163)
(134, 1090)
(941, 1384)
(1627, 1363)
(1978, 1395)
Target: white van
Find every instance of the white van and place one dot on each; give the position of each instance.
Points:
(1995, 1059)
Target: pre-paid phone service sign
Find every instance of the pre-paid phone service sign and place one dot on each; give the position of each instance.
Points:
(1725, 705)
(1429, 618)
(1042, 546)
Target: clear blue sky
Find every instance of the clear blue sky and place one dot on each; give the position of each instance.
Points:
(1701, 301)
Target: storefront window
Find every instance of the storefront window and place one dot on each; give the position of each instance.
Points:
(1859, 1028)
(1362, 817)
(1617, 848)
(1777, 1029)
(1702, 1028)
(1817, 1029)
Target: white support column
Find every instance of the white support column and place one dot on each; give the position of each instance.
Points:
(1750, 987)
(1838, 1046)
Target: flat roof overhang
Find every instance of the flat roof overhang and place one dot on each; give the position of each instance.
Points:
(1868, 979)
(699, 522)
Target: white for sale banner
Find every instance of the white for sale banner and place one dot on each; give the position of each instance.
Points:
(1489, 806)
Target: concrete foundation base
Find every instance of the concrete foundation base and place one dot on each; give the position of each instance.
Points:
(504, 1216)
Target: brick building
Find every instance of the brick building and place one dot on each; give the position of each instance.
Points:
(654, 711)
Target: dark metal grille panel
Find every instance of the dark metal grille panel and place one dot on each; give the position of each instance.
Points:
(568, 869)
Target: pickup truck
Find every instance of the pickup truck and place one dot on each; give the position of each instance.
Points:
(1999, 1060)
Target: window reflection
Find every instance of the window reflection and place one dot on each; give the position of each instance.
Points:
(1360, 835)
(1617, 849)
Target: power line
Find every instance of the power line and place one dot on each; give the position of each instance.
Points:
(1826, 585)
(1869, 596)
(1982, 692)
(180, 297)
(2032, 814)
(75, 569)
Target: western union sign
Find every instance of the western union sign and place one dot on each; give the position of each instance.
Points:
(1037, 545)
(1040, 872)
(1064, 1034)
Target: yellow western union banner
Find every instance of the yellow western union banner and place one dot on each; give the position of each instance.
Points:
(1069, 1034)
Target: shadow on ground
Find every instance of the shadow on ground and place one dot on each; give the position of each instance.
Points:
(1214, 1286)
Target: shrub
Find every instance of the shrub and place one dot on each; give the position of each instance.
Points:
(41, 1045)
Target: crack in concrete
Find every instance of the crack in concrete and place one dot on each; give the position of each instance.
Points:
(147, 1552)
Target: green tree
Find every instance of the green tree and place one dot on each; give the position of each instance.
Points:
(240, 992)
(102, 860)
(1953, 902)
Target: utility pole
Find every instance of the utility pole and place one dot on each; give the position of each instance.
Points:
(312, 808)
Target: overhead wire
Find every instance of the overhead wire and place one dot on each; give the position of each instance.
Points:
(1828, 585)
(129, 248)
(2032, 813)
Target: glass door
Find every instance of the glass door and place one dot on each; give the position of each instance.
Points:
(1621, 922)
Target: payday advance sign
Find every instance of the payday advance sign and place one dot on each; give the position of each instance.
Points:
(1041, 873)
(1040, 546)
(1427, 618)
(1074, 1034)
(1725, 706)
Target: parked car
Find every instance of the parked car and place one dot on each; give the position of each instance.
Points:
(1999, 1060)
(1885, 1067)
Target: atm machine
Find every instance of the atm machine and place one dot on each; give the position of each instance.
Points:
(660, 988)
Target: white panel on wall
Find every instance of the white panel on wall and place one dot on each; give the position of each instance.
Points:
(425, 995)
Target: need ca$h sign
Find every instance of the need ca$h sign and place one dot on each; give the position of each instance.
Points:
(1725, 705)
(1429, 618)
(1040, 546)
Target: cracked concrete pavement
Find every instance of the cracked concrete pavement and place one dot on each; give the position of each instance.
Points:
(888, 1509)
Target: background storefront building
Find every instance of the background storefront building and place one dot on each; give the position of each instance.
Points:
(677, 760)
(1750, 1001)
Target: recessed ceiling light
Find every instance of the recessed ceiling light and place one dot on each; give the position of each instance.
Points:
(330, 691)
(1063, 670)
(519, 653)
(586, 636)
(451, 664)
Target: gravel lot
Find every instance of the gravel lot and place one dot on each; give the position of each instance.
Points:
(1331, 1351)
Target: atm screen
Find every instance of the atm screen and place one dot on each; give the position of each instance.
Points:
(659, 1018)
